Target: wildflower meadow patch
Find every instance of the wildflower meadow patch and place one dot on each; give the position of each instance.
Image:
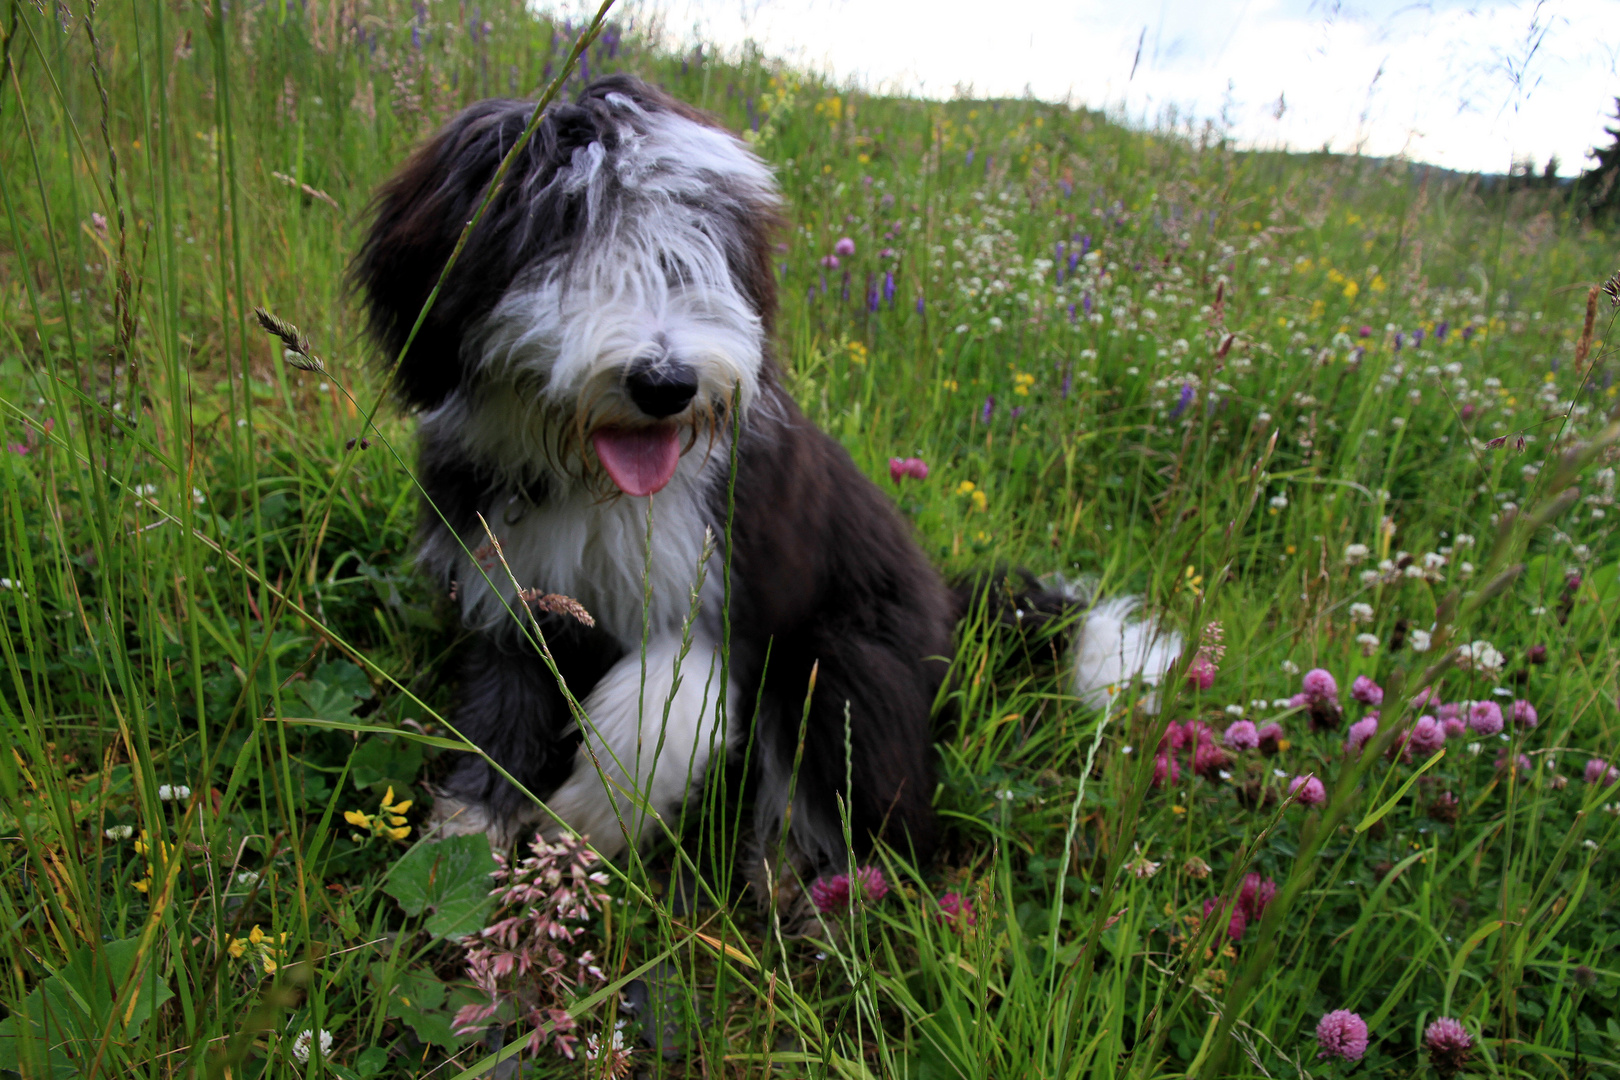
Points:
(1348, 426)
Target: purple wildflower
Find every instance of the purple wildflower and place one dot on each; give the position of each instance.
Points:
(1236, 925)
(1165, 769)
(1209, 760)
(1399, 340)
(921, 306)
(1447, 1042)
(1485, 717)
(1601, 773)
(1085, 304)
(1242, 735)
(1524, 714)
(970, 155)
(844, 246)
(888, 287)
(832, 895)
(1427, 737)
(1366, 691)
(988, 410)
(956, 909)
(1364, 332)
(1186, 399)
(1310, 789)
(1319, 685)
(1360, 732)
(1341, 1034)
(1440, 331)
(830, 262)
(900, 468)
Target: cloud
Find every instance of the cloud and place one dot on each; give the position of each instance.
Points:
(1467, 86)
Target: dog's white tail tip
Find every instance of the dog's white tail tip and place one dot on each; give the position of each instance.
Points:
(1114, 648)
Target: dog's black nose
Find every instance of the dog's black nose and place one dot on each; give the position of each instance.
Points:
(661, 388)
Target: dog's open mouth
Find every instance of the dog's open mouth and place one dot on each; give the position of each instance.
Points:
(639, 460)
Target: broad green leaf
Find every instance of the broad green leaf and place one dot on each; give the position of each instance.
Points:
(450, 879)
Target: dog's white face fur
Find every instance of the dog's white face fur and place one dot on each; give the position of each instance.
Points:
(650, 278)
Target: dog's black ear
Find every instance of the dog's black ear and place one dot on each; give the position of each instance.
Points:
(417, 218)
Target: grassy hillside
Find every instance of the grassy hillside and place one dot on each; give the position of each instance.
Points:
(1323, 413)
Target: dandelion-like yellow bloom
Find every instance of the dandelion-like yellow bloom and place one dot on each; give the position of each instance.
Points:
(966, 487)
(981, 502)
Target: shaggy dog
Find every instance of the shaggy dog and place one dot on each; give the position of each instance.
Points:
(595, 382)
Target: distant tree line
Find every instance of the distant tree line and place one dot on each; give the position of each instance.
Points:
(1597, 192)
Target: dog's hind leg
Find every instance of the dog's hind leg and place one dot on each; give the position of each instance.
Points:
(648, 741)
(868, 722)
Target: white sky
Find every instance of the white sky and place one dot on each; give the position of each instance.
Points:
(1464, 85)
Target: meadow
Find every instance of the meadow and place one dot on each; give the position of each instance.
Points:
(1349, 426)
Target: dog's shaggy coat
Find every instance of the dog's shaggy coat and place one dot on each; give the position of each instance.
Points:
(579, 380)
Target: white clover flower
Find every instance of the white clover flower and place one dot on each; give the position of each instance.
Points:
(1361, 613)
(301, 1044)
(120, 832)
(1368, 577)
(1413, 570)
(1234, 709)
(247, 878)
(1280, 703)
(1368, 643)
(173, 793)
(1259, 704)
(1463, 540)
(1433, 560)
(1290, 668)
(1355, 553)
(1481, 655)
(1466, 569)
(1279, 502)
(1420, 640)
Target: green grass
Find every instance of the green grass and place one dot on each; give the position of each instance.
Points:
(199, 561)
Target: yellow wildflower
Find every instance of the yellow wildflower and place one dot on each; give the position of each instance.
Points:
(965, 487)
(981, 502)
(1350, 290)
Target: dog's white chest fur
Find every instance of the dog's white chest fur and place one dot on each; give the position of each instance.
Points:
(598, 552)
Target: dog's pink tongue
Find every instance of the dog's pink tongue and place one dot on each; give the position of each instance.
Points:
(640, 460)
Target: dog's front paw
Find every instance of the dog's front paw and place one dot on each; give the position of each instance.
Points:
(455, 817)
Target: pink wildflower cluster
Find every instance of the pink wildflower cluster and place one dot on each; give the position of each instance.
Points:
(1253, 896)
(1307, 791)
(1366, 691)
(1207, 759)
(30, 437)
(1601, 773)
(1207, 661)
(957, 910)
(1319, 696)
(900, 468)
(832, 894)
(1449, 1045)
(528, 957)
(1341, 1034)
